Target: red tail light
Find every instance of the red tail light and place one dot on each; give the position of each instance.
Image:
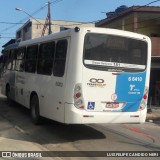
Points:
(145, 96)
(78, 95)
(143, 104)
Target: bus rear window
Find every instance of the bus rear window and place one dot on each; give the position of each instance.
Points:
(104, 52)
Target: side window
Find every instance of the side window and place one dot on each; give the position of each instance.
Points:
(12, 59)
(60, 58)
(45, 58)
(31, 59)
(20, 55)
(1, 65)
(5, 60)
(9, 65)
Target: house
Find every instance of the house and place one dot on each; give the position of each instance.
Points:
(34, 28)
(144, 20)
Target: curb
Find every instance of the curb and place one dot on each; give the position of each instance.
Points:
(153, 116)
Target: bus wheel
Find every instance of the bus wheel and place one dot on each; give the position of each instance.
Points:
(34, 106)
(8, 92)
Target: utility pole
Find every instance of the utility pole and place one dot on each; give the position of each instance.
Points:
(49, 16)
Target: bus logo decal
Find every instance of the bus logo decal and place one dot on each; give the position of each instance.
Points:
(132, 87)
(91, 105)
(96, 82)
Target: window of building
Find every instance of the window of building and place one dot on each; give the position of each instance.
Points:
(27, 27)
(45, 58)
(19, 34)
(60, 58)
(31, 59)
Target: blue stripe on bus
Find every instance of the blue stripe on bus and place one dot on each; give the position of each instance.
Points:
(130, 89)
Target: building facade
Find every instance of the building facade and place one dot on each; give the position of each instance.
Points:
(35, 28)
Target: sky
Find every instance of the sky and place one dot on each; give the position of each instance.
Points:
(68, 10)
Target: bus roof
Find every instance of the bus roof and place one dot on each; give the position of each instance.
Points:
(73, 30)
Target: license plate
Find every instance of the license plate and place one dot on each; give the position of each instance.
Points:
(112, 105)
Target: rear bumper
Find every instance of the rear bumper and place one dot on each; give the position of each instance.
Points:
(76, 116)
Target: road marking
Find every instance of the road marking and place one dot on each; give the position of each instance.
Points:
(19, 129)
(139, 132)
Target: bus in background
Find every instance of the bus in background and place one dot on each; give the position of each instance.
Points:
(81, 76)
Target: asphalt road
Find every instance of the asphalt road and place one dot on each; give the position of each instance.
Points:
(18, 133)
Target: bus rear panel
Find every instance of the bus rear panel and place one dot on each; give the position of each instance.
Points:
(115, 80)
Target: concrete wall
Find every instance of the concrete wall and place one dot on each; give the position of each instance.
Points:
(35, 29)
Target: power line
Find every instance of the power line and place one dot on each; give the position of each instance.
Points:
(56, 1)
(32, 14)
(11, 23)
(82, 23)
(78, 23)
(149, 3)
(20, 22)
(7, 37)
(7, 33)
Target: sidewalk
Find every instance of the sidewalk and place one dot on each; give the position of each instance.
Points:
(13, 138)
(153, 114)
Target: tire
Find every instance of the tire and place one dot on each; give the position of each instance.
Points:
(34, 107)
(10, 101)
(8, 92)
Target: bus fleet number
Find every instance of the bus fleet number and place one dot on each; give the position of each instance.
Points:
(135, 79)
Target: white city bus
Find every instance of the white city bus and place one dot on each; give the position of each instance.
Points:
(79, 76)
